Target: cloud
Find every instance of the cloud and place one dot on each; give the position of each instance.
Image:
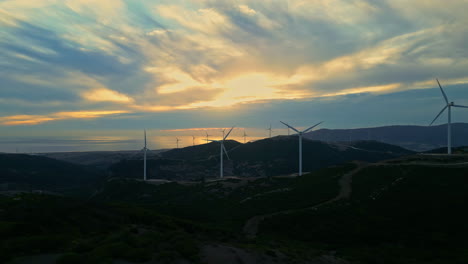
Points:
(142, 56)
(39, 119)
(106, 95)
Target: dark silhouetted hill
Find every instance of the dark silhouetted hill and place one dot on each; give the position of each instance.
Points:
(30, 172)
(267, 157)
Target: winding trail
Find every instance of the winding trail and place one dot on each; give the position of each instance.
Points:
(251, 226)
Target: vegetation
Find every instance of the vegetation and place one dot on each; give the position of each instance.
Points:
(405, 210)
(228, 203)
(28, 173)
(94, 233)
(397, 214)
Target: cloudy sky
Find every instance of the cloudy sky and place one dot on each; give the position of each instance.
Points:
(89, 74)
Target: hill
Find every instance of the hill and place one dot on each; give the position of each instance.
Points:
(267, 157)
(75, 231)
(404, 211)
(99, 159)
(409, 209)
(30, 172)
(417, 138)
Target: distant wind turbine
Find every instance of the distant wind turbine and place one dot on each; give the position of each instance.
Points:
(145, 149)
(207, 136)
(245, 135)
(223, 149)
(449, 123)
(177, 141)
(269, 129)
(299, 133)
(193, 140)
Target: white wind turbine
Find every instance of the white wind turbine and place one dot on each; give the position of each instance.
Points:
(449, 124)
(223, 149)
(269, 129)
(145, 149)
(207, 136)
(299, 133)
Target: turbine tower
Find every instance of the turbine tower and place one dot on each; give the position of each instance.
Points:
(145, 149)
(193, 140)
(177, 142)
(299, 133)
(269, 129)
(207, 136)
(449, 123)
(223, 149)
(245, 135)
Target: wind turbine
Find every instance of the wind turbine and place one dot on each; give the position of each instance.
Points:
(145, 149)
(245, 135)
(269, 130)
(207, 136)
(299, 133)
(223, 149)
(449, 124)
(193, 140)
(177, 141)
(223, 131)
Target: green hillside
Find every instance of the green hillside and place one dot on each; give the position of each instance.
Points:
(84, 232)
(267, 157)
(29, 172)
(396, 214)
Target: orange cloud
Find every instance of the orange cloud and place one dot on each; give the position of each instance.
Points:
(106, 95)
(39, 119)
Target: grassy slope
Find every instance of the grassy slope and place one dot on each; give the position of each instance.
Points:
(228, 203)
(28, 172)
(397, 214)
(95, 233)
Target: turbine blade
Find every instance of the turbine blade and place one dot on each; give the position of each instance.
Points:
(462, 106)
(225, 152)
(228, 133)
(290, 126)
(443, 93)
(311, 127)
(443, 109)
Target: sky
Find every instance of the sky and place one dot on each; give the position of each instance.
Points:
(80, 75)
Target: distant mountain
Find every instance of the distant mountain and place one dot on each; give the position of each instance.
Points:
(267, 157)
(417, 138)
(30, 172)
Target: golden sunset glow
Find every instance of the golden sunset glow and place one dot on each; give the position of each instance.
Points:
(38, 119)
(168, 62)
